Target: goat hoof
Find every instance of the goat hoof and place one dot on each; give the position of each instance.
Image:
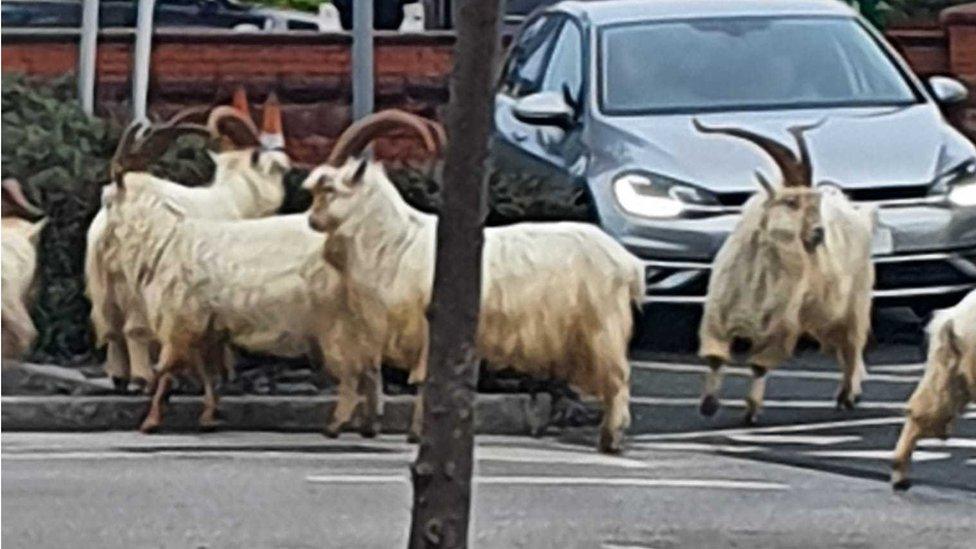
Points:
(413, 438)
(121, 385)
(901, 485)
(369, 430)
(609, 444)
(330, 432)
(750, 419)
(149, 426)
(141, 386)
(709, 405)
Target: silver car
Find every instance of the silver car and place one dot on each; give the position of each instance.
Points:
(602, 95)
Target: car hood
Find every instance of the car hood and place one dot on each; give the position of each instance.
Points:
(855, 148)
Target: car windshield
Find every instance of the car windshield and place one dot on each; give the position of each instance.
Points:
(745, 64)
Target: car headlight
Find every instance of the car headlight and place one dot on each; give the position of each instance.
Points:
(959, 185)
(652, 195)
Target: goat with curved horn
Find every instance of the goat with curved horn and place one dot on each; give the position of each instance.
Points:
(141, 142)
(791, 167)
(358, 135)
(233, 125)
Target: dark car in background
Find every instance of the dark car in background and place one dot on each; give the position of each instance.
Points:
(602, 95)
(225, 14)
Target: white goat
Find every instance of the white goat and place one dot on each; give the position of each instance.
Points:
(259, 284)
(556, 297)
(247, 183)
(19, 239)
(798, 262)
(949, 384)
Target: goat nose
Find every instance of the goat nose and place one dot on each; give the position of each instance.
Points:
(818, 234)
(314, 224)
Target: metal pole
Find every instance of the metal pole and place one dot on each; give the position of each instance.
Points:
(87, 50)
(362, 58)
(140, 65)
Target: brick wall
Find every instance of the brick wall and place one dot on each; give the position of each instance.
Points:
(310, 72)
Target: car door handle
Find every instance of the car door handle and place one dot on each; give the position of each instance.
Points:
(519, 135)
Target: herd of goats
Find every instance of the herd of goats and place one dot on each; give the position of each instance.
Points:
(178, 276)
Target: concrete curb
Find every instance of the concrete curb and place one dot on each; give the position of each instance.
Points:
(496, 414)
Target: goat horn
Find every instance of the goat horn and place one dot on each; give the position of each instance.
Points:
(226, 121)
(240, 103)
(783, 157)
(120, 163)
(806, 164)
(272, 136)
(16, 204)
(362, 132)
(766, 185)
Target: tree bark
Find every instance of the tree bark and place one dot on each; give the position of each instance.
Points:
(442, 472)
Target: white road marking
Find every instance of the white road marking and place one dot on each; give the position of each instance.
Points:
(773, 429)
(811, 440)
(697, 447)
(950, 443)
(721, 484)
(537, 455)
(356, 479)
(918, 455)
(726, 484)
(898, 368)
(971, 462)
(740, 403)
(746, 372)
(611, 545)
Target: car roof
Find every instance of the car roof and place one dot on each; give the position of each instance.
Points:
(607, 12)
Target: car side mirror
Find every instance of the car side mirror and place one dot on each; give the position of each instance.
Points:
(948, 91)
(544, 109)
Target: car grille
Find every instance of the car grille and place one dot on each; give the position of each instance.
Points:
(894, 275)
(932, 272)
(869, 194)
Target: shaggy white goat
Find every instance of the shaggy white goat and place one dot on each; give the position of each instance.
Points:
(19, 238)
(247, 183)
(949, 384)
(259, 284)
(556, 297)
(798, 262)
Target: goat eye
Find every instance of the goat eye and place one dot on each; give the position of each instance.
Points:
(255, 155)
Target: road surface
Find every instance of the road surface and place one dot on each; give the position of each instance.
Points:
(806, 476)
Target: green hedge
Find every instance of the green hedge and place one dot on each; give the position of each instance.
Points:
(61, 157)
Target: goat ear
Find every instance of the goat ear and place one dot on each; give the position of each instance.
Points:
(213, 156)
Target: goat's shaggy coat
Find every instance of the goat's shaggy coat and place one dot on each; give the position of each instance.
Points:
(254, 283)
(19, 242)
(949, 383)
(556, 297)
(241, 189)
(797, 263)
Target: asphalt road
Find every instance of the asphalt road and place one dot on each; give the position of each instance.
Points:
(806, 476)
(800, 425)
(300, 490)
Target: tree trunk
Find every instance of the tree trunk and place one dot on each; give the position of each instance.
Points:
(442, 473)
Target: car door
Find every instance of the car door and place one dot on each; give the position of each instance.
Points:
(548, 57)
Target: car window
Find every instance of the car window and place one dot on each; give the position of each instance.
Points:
(714, 64)
(527, 60)
(565, 67)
